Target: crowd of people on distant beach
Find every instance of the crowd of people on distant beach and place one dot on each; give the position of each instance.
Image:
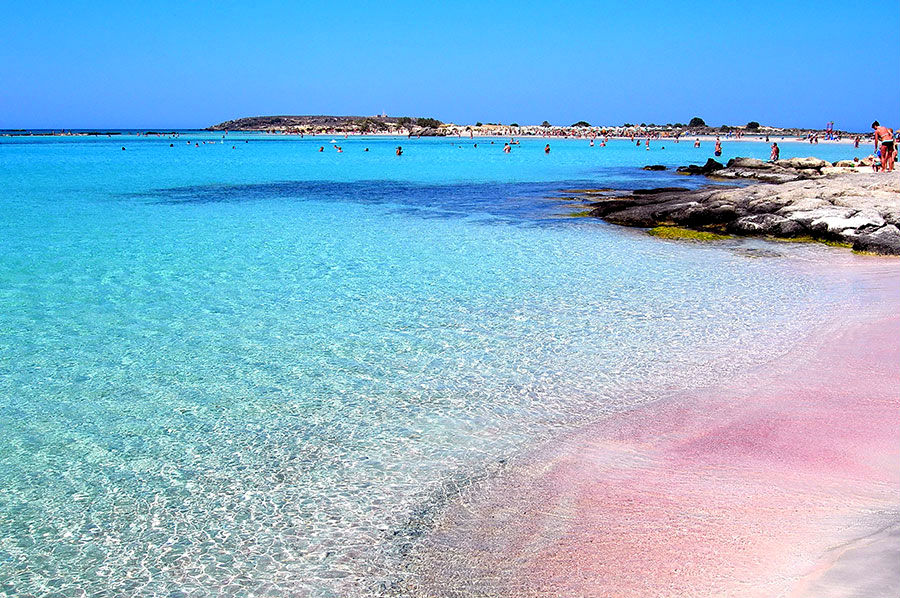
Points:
(883, 159)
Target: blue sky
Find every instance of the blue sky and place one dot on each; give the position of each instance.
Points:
(193, 64)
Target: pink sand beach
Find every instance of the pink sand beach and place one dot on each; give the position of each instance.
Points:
(784, 482)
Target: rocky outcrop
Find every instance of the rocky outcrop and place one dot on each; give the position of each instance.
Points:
(425, 132)
(781, 171)
(654, 167)
(858, 208)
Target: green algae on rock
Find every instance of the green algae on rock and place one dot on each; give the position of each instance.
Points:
(685, 234)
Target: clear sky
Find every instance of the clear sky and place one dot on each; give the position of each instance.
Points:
(193, 64)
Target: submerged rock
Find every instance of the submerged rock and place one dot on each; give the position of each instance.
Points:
(654, 167)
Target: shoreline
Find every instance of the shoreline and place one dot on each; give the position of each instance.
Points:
(773, 484)
(865, 143)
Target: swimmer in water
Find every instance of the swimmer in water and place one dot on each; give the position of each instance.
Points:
(697, 143)
(718, 150)
(506, 148)
(547, 149)
(321, 148)
(773, 156)
(399, 151)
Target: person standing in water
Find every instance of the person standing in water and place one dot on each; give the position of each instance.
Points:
(718, 151)
(884, 137)
(399, 151)
(775, 152)
(547, 149)
(506, 148)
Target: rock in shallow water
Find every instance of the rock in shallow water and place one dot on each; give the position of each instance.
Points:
(885, 241)
(710, 167)
(863, 208)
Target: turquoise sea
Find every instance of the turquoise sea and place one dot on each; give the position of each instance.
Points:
(242, 367)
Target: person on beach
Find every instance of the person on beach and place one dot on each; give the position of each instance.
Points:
(775, 152)
(547, 149)
(884, 137)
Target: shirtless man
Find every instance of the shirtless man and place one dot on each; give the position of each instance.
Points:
(884, 137)
(775, 153)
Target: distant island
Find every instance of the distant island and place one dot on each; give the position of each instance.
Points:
(430, 127)
(391, 125)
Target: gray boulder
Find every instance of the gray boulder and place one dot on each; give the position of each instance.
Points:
(710, 166)
(751, 163)
(766, 224)
(806, 218)
(885, 240)
(864, 219)
(803, 163)
(426, 132)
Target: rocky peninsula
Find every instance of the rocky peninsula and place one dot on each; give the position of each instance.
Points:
(796, 198)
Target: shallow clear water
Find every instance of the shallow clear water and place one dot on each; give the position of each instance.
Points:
(255, 370)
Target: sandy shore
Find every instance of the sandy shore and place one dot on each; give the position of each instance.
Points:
(782, 483)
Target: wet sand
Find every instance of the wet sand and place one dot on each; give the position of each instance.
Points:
(785, 482)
